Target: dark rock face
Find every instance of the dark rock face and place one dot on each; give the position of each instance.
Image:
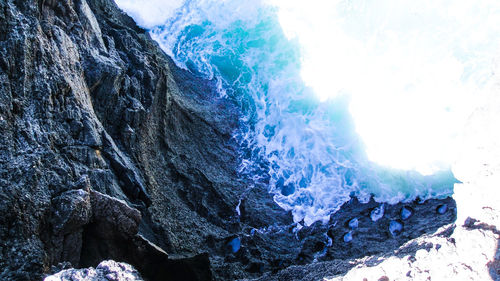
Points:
(96, 129)
(109, 151)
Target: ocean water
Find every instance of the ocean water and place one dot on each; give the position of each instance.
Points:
(339, 98)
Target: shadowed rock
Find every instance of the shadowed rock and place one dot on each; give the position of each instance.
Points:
(441, 209)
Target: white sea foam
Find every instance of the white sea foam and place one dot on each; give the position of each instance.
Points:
(413, 69)
(150, 13)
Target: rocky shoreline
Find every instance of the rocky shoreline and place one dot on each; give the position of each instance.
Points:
(110, 151)
(332, 249)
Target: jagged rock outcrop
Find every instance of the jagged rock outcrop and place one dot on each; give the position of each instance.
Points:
(470, 251)
(83, 90)
(109, 151)
(105, 271)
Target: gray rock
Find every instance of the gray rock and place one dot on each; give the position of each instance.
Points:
(72, 210)
(83, 92)
(113, 216)
(106, 271)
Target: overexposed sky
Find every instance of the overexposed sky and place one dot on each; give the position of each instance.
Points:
(149, 13)
(414, 70)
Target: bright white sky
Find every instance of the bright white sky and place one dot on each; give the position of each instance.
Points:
(414, 69)
(149, 13)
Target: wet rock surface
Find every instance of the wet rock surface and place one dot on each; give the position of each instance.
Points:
(339, 245)
(109, 151)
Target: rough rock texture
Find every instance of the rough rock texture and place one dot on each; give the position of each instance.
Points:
(105, 271)
(109, 151)
(323, 250)
(88, 104)
(470, 253)
(467, 254)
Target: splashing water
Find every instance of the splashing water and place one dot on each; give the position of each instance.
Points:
(339, 98)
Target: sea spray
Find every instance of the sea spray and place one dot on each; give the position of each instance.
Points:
(314, 96)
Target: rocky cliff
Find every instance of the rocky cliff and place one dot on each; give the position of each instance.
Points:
(106, 146)
(110, 151)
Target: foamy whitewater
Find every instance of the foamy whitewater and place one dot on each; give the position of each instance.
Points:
(339, 98)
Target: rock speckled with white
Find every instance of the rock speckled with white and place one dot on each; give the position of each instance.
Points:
(105, 271)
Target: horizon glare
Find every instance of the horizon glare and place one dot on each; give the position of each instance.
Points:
(413, 70)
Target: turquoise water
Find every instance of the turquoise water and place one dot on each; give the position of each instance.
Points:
(305, 149)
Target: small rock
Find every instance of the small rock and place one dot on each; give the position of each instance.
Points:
(395, 227)
(469, 222)
(106, 270)
(348, 237)
(441, 209)
(377, 213)
(234, 244)
(406, 213)
(354, 223)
